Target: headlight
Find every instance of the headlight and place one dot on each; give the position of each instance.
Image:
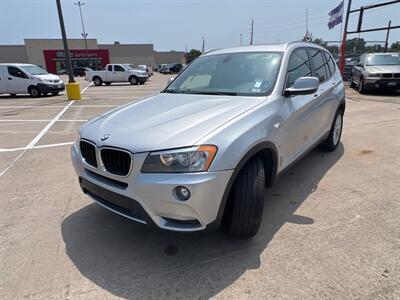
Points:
(374, 75)
(194, 159)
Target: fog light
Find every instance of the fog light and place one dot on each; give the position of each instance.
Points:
(182, 192)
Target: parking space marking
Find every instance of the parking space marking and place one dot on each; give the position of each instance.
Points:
(42, 132)
(56, 106)
(35, 147)
(44, 120)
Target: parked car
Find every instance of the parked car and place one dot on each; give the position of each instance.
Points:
(166, 69)
(176, 68)
(202, 151)
(148, 69)
(117, 73)
(158, 68)
(81, 71)
(28, 79)
(376, 71)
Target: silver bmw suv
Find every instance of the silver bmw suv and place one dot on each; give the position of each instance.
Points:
(201, 152)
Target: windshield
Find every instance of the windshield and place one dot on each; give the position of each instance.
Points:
(383, 60)
(236, 74)
(34, 70)
(127, 66)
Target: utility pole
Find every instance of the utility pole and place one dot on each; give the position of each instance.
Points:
(387, 36)
(343, 46)
(306, 21)
(241, 39)
(84, 34)
(252, 32)
(72, 87)
(203, 44)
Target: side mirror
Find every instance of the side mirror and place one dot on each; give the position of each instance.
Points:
(170, 80)
(303, 86)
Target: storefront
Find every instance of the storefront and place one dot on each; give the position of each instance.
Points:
(93, 58)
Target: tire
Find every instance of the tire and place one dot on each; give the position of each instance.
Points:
(97, 81)
(107, 83)
(34, 92)
(332, 141)
(55, 93)
(133, 80)
(352, 85)
(246, 203)
(361, 86)
(44, 94)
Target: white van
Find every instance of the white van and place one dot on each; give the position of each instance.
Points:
(28, 79)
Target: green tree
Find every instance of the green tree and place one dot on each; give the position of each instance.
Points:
(334, 49)
(355, 46)
(395, 46)
(192, 55)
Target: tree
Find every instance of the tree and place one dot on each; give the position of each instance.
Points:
(334, 49)
(192, 55)
(395, 46)
(355, 46)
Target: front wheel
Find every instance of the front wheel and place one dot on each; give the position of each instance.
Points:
(333, 139)
(34, 92)
(361, 86)
(133, 80)
(97, 81)
(352, 85)
(245, 208)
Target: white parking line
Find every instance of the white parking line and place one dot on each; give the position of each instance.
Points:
(43, 120)
(34, 147)
(54, 106)
(43, 132)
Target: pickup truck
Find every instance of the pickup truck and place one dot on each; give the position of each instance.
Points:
(117, 73)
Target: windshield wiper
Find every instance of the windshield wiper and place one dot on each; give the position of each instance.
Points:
(171, 91)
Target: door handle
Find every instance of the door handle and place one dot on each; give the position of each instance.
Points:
(9, 78)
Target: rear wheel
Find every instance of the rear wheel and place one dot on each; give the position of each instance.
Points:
(34, 92)
(244, 212)
(97, 81)
(133, 80)
(333, 139)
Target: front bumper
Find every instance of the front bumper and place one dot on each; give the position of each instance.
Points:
(384, 84)
(149, 198)
(142, 79)
(50, 88)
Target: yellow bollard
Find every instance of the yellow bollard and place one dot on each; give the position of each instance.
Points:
(73, 91)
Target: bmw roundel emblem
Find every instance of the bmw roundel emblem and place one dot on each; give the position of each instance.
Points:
(105, 137)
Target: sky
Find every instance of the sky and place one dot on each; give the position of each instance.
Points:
(175, 24)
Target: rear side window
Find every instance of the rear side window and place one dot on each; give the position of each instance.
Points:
(299, 66)
(15, 72)
(118, 68)
(320, 66)
(109, 68)
(331, 63)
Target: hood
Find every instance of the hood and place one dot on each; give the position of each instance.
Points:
(383, 69)
(48, 77)
(165, 121)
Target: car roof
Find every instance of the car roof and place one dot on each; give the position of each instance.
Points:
(387, 53)
(264, 48)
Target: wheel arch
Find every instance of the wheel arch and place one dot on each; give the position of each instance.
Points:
(269, 155)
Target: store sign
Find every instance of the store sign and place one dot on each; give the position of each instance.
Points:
(53, 58)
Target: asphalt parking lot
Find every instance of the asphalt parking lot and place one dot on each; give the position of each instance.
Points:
(330, 228)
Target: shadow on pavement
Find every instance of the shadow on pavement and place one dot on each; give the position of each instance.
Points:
(130, 260)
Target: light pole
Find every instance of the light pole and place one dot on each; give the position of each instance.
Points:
(72, 87)
(84, 34)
